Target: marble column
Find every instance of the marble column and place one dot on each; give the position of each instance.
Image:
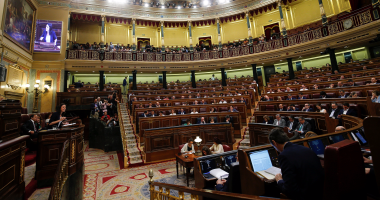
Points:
(133, 35)
(193, 83)
(290, 68)
(134, 73)
(102, 34)
(249, 27)
(162, 37)
(219, 37)
(222, 70)
(283, 27)
(68, 33)
(190, 36)
(164, 83)
(322, 12)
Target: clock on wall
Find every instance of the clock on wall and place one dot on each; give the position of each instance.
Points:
(347, 23)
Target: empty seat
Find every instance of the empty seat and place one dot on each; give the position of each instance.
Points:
(202, 110)
(269, 108)
(331, 94)
(223, 109)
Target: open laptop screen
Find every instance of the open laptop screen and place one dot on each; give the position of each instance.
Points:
(260, 160)
(317, 146)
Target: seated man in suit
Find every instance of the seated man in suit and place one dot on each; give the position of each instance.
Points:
(281, 107)
(265, 98)
(157, 104)
(307, 108)
(351, 83)
(292, 107)
(202, 121)
(145, 114)
(288, 89)
(151, 114)
(302, 128)
(267, 120)
(292, 124)
(233, 100)
(181, 112)
(301, 171)
(375, 97)
(290, 97)
(279, 122)
(342, 94)
(334, 111)
(203, 102)
(151, 105)
(300, 96)
(30, 128)
(347, 110)
(373, 82)
(232, 109)
(324, 95)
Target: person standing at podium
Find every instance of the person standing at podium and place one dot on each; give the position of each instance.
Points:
(57, 118)
(301, 174)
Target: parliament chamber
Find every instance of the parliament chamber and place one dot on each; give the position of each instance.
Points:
(200, 100)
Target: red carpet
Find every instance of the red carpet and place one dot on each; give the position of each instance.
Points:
(120, 157)
(30, 188)
(30, 157)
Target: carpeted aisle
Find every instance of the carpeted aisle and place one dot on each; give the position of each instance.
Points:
(105, 180)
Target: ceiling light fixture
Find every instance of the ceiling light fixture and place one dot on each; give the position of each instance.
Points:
(162, 6)
(146, 5)
(194, 6)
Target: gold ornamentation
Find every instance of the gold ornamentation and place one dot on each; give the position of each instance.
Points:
(73, 151)
(22, 166)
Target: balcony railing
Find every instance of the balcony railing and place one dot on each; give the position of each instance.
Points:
(358, 18)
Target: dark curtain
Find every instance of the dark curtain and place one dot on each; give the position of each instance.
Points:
(206, 41)
(142, 42)
(269, 30)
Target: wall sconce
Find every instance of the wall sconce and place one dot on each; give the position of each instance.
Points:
(37, 91)
(198, 141)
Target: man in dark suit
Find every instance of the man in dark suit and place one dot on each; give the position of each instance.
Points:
(342, 94)
(78, 84)
(307, 108)
(302, 128)
(94, 107)
(265, 98)
(324, 95)
(30, 128)
(145, 114)
(290, 97)
(281, 108)
(292, 107)
(181, 112)
(301, 171)
(351, 83)
(347, 110)
(300, 96)
(292, 124)
(151, 114)
(202, 121)
(334, 111)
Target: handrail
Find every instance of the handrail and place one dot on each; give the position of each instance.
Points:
(61, 174)
(359, 18)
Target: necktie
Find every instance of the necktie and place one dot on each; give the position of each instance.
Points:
(291, 125)
(301, 127)
(34, 125)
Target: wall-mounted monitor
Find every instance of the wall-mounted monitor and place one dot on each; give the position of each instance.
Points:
(48, 36)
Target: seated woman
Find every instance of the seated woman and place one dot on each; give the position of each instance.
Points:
(353, 95)
(206, 151)
(267, 120)
(212, 110)
(187, 123)
(188, 147)
(194, 111)
(212, 121)
(172, 112)
(217, 147)
(320, 109)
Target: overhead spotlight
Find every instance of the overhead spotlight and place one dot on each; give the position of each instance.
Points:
(206, 3)
(146, 5)
(376, 39)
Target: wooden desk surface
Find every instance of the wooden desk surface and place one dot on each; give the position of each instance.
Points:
(186, 162)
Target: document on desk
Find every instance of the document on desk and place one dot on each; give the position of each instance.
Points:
(219, 173)
(270, 173)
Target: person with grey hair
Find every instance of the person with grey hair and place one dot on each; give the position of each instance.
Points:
(301, 174)
(279, 122)
(302, 128)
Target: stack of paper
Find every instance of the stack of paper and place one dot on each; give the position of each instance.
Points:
(219, 173)
(270, 173)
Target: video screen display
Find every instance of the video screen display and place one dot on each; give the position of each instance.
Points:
(317, 146)
(361, 139)
(260, 160)
(48, 36)
(229, 159)
(336, 138)
(208, 165)
(19, 22)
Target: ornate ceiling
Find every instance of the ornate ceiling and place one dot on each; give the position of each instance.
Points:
(174, 10)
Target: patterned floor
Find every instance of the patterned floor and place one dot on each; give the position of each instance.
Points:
(105, 180)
